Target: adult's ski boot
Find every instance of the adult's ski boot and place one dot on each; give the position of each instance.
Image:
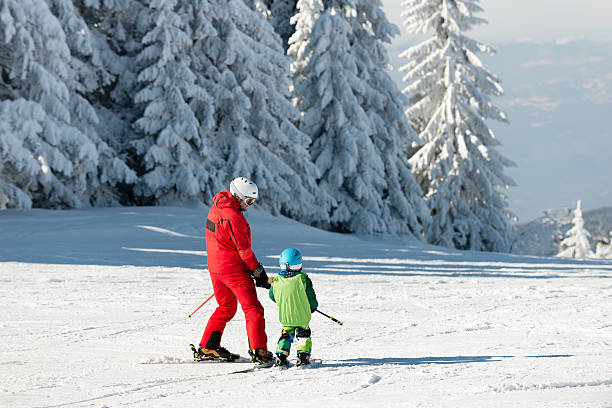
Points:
(262, 357)
(221, 353)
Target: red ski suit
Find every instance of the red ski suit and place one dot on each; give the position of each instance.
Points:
(230, 259)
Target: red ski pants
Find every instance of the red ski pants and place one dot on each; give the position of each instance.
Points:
(230, 288)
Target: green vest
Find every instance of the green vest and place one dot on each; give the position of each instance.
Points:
(290, 296)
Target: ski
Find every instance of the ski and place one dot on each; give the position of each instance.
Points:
(256, 367)
(314, 362)
(197, 359)
(175, 360)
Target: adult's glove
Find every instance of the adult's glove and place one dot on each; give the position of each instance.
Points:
(260, 276)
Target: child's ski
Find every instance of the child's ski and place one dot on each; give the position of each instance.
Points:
(314, 362)
(256, 367)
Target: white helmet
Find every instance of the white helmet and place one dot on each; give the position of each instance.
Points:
(243, 189)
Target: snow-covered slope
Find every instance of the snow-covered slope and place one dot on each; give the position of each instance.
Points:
(87, 296)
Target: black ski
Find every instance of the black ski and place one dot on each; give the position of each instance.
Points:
(257, 367)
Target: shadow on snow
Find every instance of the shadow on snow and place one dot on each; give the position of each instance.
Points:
(366, 361)
(171, 237)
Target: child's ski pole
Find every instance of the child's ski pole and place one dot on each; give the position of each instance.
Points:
(192, 313)
(333, 319)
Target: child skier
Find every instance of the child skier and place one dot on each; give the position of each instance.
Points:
(296, 299)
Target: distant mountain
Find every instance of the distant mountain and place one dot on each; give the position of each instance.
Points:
(558, 97)
(537, 237)
(599, 223)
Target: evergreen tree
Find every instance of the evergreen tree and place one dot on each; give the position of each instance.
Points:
(171, 146)
(281, 13)
(304, 20)
(51, 161)
(457, 166)
(88, 76)
(116, 28)
(255, 118)
(20, 130)
(353, 112)
(207, 48)
(351, 171)
(383, 103)
(576, 242)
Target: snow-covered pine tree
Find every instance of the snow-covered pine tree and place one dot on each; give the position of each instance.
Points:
(281, 12)
(88, 77)
(206, 48)
(351, 170)
(174, 168)
(116, 28)
(383, 102)
(576, 243)
(308, 11)
(353, 112)
(457, 166)
(255, 117)
(34, 67)
(20, 127)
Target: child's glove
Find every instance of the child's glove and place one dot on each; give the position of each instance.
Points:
(260, 277)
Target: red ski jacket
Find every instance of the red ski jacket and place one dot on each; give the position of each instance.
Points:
(228, 237)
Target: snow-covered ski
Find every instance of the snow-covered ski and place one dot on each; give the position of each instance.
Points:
(199, 358)
(194, 360)
(314, 362)
(256, 367)
(175, 360)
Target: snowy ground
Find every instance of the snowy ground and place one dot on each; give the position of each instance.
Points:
(87, 296)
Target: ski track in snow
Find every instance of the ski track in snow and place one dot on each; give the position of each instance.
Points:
(88, 296)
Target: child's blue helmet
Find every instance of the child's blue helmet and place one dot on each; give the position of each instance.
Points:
(290, 260)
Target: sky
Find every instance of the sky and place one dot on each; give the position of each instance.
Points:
(557, 86)
(542, 20)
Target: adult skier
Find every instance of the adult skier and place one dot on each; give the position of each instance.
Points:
(233, 267)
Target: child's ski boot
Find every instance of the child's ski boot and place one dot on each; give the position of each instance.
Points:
(303, 359)
(281, 360)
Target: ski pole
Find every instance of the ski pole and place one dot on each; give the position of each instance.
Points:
(333, 319)
(192, 313)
